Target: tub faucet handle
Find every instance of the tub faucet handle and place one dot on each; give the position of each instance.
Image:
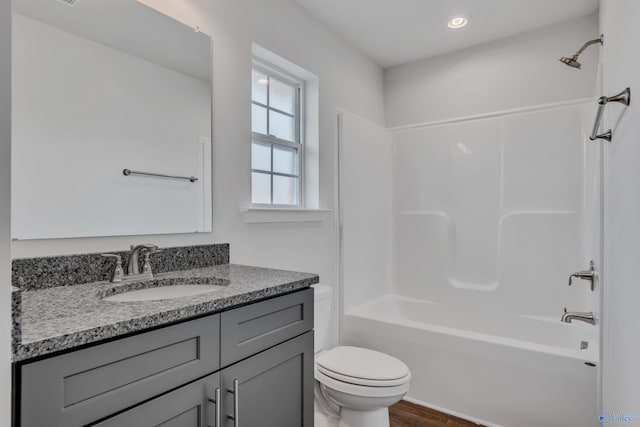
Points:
(589, 275)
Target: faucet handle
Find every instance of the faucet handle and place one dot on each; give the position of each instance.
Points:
(146, 267)
(150, 250)
(118, 272)
(589, 275)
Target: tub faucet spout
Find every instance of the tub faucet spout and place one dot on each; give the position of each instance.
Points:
(589, 317)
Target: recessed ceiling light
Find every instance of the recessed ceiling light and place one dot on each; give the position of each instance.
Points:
(457, 22)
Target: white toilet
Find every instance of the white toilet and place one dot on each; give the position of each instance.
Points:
(353, 384)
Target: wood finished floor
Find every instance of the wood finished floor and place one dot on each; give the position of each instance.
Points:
(405, 414)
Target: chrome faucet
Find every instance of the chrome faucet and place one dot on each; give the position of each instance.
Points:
(589, 317)
(589, 275)
(133, 264)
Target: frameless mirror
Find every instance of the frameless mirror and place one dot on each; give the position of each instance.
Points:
(100, 86)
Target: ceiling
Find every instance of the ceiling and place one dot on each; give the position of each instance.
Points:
(393, 32)
(128, 26)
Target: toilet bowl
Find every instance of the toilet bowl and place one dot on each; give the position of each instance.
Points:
(353, 384)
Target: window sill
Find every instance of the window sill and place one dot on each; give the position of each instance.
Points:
(271, 215)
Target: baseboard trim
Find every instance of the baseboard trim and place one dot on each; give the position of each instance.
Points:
(450, 412)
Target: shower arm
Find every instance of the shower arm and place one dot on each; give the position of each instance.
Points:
(623, 97)
(599, 40)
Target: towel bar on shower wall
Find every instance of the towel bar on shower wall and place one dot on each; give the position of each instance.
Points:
(623, 97)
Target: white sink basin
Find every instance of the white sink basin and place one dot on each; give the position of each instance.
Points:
(162, 292)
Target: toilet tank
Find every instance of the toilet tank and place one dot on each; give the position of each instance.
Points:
(322, 316)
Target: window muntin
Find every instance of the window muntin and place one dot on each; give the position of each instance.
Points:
(276, 145)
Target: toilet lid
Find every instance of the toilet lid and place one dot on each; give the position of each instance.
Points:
(356, 362)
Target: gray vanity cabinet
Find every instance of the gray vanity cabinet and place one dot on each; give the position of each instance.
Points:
(271, 389)
(259, 357)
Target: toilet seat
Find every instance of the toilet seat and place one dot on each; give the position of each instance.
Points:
(361, 390)
(362, 381)
(362, 367)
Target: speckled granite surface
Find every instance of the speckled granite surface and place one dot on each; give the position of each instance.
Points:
(47, 272)
(65, 317)
(16, 318)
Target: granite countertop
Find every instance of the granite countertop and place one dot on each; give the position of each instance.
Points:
(64, 317)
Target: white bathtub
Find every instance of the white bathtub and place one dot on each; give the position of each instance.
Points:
(498, 369)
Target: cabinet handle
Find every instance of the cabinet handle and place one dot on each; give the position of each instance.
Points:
(216, 401)
(235, 392)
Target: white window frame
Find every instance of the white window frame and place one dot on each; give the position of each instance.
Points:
(299, 119)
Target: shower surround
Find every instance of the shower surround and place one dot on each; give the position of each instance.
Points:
(490, 215)
(491, 212)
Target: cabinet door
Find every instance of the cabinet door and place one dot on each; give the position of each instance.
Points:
(188, 406)
(273, 388)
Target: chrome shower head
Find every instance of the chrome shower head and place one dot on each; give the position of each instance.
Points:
(573, 61)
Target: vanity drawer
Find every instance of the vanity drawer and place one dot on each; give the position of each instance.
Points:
(83, 386)
(248, 330)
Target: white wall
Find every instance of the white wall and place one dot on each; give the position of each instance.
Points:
(119, 111)
(510, 73)
(622, 210)
(5, 211)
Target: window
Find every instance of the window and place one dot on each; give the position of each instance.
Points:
(277, 149)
